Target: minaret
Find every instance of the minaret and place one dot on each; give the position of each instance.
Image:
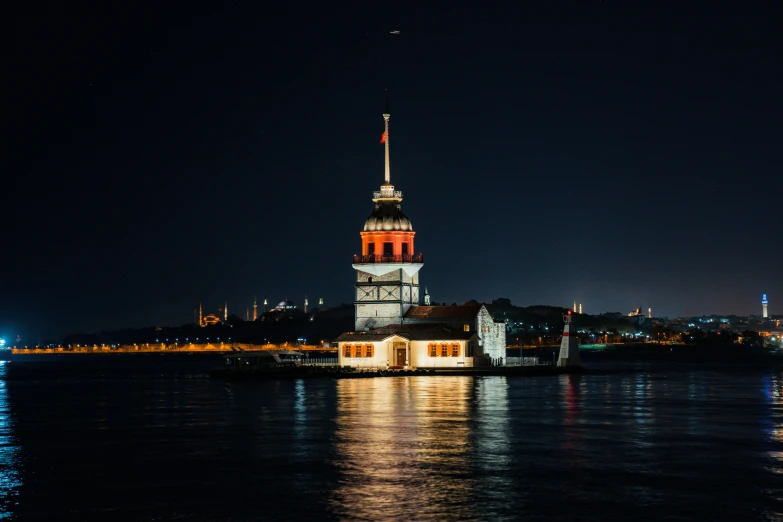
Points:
(764, 306)
(255, 308)
(574, 308)
(306, 303)
(580, 308)
(265, 305)
(569, 350)
(200, 318)
(225, 311)
(649, 312)
(321, 303)
(387, 279)
(426, 297)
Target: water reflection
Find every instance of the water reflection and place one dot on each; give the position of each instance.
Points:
(571, 415)
(10, 479)
(493, 452)
(406, 445)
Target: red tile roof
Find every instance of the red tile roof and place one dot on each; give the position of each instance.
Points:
(435, 313)
(411, 332)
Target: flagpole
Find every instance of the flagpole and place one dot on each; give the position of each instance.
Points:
(386, 116)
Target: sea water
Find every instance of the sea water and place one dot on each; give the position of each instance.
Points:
(629, 440)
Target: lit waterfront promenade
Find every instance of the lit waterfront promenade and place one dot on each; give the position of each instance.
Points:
(168, 348)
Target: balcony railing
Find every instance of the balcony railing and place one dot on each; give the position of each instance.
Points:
(415, 258)
(396, 194)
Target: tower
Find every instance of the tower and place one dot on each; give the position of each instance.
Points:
(305, 304)
(225, 311)
(569, 350)
(580, 308)
(265, 304)
(649, 312)
(764, 306)
(200, 317)
(321, 303)
(426, 297)
(255, 308)
(574, 308)
(387, 270)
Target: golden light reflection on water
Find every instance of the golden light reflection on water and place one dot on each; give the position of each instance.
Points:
(409, 445)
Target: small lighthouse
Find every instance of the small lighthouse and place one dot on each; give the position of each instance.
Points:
(764, 306)
(569, 350)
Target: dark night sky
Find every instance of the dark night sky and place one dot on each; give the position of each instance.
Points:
(617, 156)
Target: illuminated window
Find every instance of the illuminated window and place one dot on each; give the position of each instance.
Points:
(466, 327)
(444, 350)
(368, 350)
(455, 349)
(433, 350)
(346, 350)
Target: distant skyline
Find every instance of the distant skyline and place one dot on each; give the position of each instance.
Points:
(617, 156)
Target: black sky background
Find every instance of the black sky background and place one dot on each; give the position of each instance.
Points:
(612, 154)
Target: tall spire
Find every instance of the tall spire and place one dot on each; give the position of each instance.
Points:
(386, 116)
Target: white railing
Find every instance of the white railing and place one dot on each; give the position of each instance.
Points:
(378, 194)
(522, 361)
(331, 361)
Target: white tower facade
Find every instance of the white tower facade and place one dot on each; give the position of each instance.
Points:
(387, 271)
(764, 306)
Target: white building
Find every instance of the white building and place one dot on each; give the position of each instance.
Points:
(414, 346)
(391, 328)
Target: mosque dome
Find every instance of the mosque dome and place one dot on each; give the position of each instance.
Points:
(387, 216)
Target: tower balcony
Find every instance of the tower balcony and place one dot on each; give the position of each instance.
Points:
(387, 193)
(374, 258)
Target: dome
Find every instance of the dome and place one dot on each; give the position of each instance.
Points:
(387, 216)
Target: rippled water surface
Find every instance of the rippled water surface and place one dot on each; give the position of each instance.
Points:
(628, 441)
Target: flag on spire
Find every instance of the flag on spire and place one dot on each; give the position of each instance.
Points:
(383, 137)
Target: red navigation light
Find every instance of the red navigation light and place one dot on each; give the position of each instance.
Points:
(569, 312)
